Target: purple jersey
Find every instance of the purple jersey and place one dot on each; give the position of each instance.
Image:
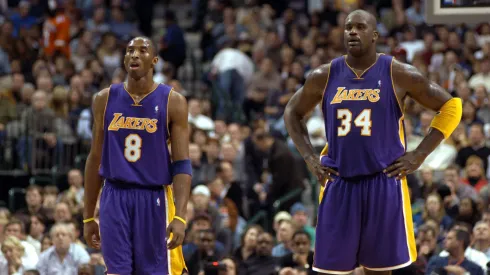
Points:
(363, 118)
(135, 137)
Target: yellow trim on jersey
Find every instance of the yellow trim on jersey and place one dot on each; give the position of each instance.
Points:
(401, 131)
(175, 257)
(137, 103)
(168, 101)
(448, 117)
(359, 76)
(325, 88)
(322, 191)
(105, 108)
(407, 216)
(400, 103)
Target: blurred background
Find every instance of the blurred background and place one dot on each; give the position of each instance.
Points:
(238, 62)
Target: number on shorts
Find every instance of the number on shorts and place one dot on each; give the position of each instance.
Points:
(132, 148)
(363, 120)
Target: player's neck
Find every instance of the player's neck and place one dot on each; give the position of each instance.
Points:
(362, 62)
(141, 86)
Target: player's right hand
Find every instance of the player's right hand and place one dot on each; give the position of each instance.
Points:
(91, 234)
(322, 173)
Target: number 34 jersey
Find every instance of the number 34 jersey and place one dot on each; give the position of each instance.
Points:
(363, 118)
(135, 137)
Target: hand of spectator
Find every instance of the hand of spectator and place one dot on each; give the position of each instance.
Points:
(14, 264)
(97, 259)
(424, 250)
(322, 173)
(258, 188)
(50, 139)
(405, 165)
(287, 271)
(2, 127)
(300, 259)
(455, 269)
(91, 234)
(263, 196)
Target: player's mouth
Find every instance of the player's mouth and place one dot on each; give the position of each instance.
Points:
(134, 66)
(354, 42)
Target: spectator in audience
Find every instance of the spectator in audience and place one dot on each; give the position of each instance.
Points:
(37, 227)
(471, 254)
(201, 197)
(456, 243)
(284, 239)
(481, 233)
(475, 175)
(301, 257)
(34, 201)
(433, 209)
(16, 229)
(63, 257)
(248, 244)
(427, 247)
(262, 262)
(300, 219)
(204, 254)
(12, 261)
(476, 147)
(62, 213)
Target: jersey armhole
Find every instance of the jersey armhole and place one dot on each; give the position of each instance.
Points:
(166, 109)
(400, 106)
(105, 108)
(326, 85)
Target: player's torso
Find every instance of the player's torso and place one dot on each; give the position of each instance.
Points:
(363, 120)
(135, 137)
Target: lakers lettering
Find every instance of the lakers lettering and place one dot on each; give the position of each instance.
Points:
(133, 123)
(371, 95)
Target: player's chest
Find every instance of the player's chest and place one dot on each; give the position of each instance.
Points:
(146, 118)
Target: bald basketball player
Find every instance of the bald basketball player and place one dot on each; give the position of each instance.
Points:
(364, 215)
(141, 228)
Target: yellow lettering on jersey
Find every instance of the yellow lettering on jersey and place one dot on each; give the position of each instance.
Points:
(133, 123)
(355, 95)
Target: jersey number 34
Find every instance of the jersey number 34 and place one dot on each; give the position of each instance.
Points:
(363, 120)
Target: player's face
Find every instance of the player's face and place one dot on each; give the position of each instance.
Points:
(139, 58)
(359, 36)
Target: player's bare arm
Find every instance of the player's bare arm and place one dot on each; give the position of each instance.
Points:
(179, 137)
(93, 181)
(410, 82)
(302, 103)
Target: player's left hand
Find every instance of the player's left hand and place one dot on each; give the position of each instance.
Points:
(177, 229)
(405, 165)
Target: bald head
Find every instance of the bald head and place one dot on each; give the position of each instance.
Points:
(367, 16)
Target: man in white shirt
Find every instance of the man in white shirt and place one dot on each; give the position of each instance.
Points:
(64, 257)
(234, 70)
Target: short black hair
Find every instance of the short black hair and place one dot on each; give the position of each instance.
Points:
(370, 18)
(147, 39)
(462, 235)
(301, 232)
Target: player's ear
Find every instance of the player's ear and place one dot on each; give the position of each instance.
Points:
(155, 60)
(375, 36)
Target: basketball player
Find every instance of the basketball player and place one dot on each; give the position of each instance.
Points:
(141, 230)
(364, 215)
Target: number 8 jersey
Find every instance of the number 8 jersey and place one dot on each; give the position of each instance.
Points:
(135, 137)
(363, 118)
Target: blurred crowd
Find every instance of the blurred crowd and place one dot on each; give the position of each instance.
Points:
(252, 208)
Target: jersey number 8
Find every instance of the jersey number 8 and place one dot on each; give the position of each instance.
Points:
(132, 147)
(363, 120)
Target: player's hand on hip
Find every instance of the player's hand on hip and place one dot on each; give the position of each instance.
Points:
(322, 173)
(405, 165)
(91, 234)
(175, 234)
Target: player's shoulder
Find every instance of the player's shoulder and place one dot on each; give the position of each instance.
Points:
(399, 67)
(321, 73)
